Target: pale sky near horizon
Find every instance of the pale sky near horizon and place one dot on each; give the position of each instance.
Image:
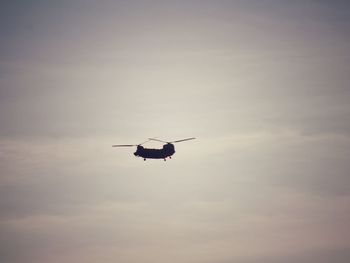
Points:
(264, 87)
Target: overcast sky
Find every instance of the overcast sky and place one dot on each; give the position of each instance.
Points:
(264, 87)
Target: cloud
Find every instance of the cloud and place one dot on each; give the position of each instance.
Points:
(263, 87)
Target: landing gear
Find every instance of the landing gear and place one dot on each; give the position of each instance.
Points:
(164, 160)
(144, 159)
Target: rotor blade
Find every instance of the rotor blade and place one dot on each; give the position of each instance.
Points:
(123, 145)
(153, 139)
(143, 142)
(183, 140)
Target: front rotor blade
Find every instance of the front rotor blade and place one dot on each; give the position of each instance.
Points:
(153, 139)
(143, 142)
(123, 145)
(183, 140)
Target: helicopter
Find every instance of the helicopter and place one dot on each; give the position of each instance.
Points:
(166, 151)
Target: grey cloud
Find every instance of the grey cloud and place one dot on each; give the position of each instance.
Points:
(322, 256)
(262, 85)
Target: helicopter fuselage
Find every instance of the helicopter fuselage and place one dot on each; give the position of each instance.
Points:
(147, 153)
(166, 151)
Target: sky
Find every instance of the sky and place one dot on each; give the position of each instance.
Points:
(263, 85)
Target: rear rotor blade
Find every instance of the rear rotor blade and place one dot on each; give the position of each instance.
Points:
(183, 140)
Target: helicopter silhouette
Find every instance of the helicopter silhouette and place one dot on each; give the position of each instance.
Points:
(166, 151)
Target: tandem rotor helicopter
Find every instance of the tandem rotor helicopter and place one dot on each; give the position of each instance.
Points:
(147, 153)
